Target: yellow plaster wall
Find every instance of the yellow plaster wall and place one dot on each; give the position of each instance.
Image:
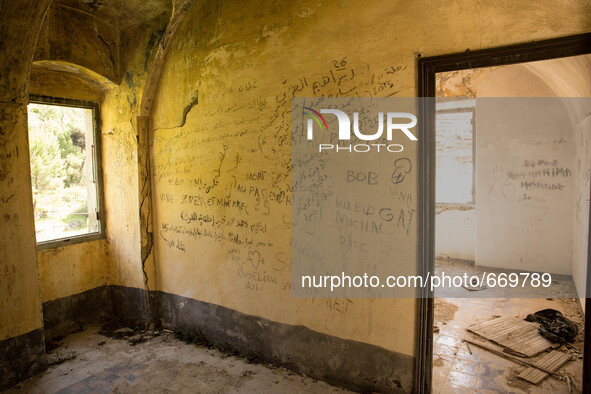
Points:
(121, 197)
(20, 309)
(120, 107)
(61, 84)
(72, 269)
(241, 63)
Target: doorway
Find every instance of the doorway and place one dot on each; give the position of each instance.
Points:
(454, 221)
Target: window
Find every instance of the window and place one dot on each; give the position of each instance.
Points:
(65, 171)
(454, 125)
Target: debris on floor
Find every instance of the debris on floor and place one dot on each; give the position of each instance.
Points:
(161, 364)
(58, 358)
(444, 311)
(518, 336)
(459, 366)
(133, 336)
(475, 285)
(546, 365)
(550, 363)
(52, 344)
(528, 338)
(554, 326)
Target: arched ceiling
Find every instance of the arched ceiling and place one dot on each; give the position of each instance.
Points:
(567, 77)
(561, 77)
(118, 13)
(88, 33)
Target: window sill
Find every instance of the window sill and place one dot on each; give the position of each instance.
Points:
(442, 207)
(76, 239)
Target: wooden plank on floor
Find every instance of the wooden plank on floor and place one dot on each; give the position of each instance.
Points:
(550, 362)
(519, 336)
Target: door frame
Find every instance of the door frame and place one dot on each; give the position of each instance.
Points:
(428, 67)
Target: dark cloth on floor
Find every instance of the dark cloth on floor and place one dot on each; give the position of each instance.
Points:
(554, 326)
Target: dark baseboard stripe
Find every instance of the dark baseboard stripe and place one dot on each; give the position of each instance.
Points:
(68, 314)
(351, 364)
(21, 357)
(347, 363)
(129, 304)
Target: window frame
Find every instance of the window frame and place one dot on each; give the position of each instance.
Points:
(472, 203)
(97, 164)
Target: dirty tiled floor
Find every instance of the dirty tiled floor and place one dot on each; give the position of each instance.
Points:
(456, 370)
(93, 363)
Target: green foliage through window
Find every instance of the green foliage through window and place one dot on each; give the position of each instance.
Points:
(58, 150)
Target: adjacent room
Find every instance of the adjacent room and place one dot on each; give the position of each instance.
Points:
(513, 200)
